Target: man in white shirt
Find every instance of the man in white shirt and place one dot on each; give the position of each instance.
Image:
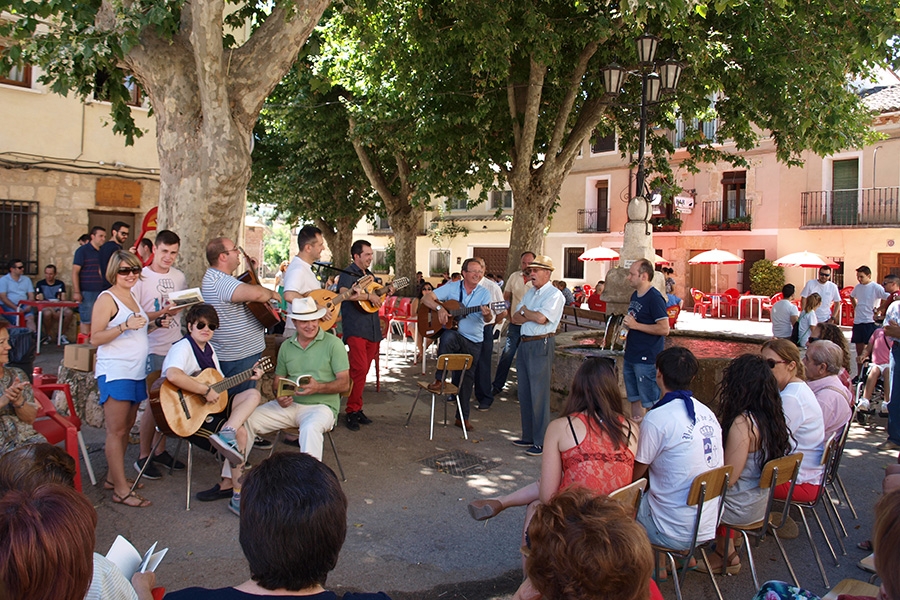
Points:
(680, 439)
(828, 291)
(784, 313)
(483, 392)
(299, 279)
(513, 292)
(152, 291)
(865, 297)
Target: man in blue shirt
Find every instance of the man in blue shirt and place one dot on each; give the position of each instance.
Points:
(538, 315)
(87, 278)
(51, 288)
(648, 325)
(14, 288)
(467, 338)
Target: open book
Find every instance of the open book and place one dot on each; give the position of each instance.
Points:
(286, 387)
(125, 556)
(186, 297)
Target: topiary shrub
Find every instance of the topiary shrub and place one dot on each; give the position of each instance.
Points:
(766, 278)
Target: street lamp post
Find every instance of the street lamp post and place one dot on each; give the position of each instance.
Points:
(656, 78)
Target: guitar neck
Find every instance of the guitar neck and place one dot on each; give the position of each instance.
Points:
(461, 312)
(230, 382)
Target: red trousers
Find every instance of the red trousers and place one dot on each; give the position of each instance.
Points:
(362, 353)
(803, 492)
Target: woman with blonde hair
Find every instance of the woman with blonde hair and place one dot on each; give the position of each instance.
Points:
(119, 330)
(806, 325)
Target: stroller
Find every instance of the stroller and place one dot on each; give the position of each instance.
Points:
(866, 409)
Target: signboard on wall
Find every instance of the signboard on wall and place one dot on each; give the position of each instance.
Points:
(118, 192)
(684, 204)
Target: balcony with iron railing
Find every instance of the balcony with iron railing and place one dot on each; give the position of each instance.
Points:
(864, 207)
(593, 221)
(720, 215)
(707, 128)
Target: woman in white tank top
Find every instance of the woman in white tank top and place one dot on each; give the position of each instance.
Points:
(119, 330)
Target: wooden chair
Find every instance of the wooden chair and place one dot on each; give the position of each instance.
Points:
(852, 587)
(706, 486)
(777, 471)
(446, 365)
(630, 495)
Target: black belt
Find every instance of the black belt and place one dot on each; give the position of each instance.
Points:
(531, 338)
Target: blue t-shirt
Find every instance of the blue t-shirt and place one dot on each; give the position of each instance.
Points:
(471, 326)
(50, 292)
(106, 252)
(647, 309)
(90, 278)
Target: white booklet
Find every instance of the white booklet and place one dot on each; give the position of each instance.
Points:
(186, 297)
(125, 556)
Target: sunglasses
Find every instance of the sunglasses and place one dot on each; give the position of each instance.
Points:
(772, 362)
(131, 270)
(201, 325)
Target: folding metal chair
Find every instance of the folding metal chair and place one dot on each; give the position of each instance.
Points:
(446, 364)
(630, 495)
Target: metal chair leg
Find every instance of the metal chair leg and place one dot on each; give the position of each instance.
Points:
(787, 561)
(846, 496)
(337, 459)
(137, 479)
(750, 559)
(87, 459)
(190, 470)
(431, 421)
(674, 569)
(177, 451)
(461, 419)
(828, 513)
(708, 570)
(812, 545)
(409, 416)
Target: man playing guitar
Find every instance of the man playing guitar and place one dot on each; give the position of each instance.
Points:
(299, 279)
(188, 357)
(362, 330)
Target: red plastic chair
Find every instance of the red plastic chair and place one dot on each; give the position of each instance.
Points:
(43, 384)
(588, 291)
(595, 303)
(702, 302)
(673, 312)
(845, 292)
(728, 302)
(403, 315)
(767, 305)
(56, 429)
(19, 316)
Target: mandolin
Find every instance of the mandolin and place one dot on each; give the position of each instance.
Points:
(430, 325)
(264, 312)
(330, 300)
(375, 288)
(182, 413)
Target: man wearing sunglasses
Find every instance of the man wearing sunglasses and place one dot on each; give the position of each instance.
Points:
(828, 291)
(15, 287)
(118, 235)
(152, 290)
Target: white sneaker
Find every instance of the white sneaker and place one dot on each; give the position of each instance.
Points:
(884, 406)
(64, 340)
(863, 405)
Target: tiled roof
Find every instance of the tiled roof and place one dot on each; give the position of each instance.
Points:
(883, 99)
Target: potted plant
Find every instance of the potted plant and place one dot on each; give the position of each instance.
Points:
(713, 226)
(667, 224)
(739, 223)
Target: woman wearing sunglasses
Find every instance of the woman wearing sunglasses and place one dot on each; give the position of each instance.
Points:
(119, 330)
(755, 432)
(802, 414)
(592, 445)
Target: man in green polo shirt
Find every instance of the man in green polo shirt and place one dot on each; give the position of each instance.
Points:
(313, 409)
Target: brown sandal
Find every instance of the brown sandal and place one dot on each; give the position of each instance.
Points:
(482, 510)
(728, 566)
(108, 485)
(141, 502)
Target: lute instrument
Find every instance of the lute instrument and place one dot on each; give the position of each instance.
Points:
(376, 288)
(330, 300)
(267, 314)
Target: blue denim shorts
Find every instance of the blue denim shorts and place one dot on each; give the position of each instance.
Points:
(640, 383)
(86, 307)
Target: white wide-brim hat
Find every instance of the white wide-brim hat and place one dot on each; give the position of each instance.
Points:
(305, 309)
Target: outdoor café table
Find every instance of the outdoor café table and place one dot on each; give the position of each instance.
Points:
(716, 301)
(40, 305)
(749, 299)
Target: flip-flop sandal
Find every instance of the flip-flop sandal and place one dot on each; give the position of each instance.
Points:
(141, 502)
(108, 485)
(731, 568)
(866, 545)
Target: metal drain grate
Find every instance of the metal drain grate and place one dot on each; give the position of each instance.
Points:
(459, 464)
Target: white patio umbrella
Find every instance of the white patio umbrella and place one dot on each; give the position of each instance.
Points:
(716, 257)
(599, 253)
(807, 260)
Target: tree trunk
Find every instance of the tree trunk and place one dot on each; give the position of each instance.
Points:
(339, 237)
(405, 222)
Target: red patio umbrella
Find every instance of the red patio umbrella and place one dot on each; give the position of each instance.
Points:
(716, 257)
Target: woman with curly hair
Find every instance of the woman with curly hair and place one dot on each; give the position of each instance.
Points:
(754, 432)
(592, 445)
(587, 547)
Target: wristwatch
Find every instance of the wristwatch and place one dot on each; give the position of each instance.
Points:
(439, 307)
(522, 312)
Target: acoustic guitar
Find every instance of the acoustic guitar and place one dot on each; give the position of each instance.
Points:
(182, 413)
(429, 322)
(375, 288)
(267, 314)
(330, 300)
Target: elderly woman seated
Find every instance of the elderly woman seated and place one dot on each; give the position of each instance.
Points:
(17, 407)
(823, 362)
